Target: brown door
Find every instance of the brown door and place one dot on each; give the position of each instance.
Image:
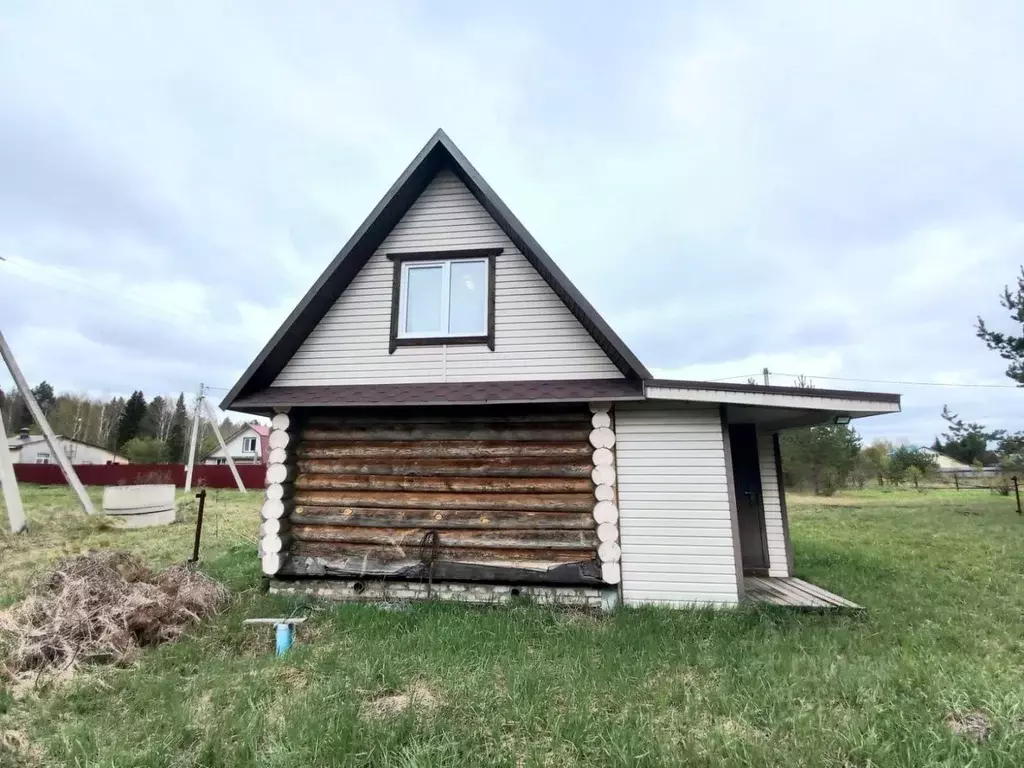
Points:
(746, 475)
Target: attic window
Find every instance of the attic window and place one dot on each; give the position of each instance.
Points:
(443, 297)
(248, 445)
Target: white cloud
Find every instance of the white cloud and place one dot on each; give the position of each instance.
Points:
(816, 188)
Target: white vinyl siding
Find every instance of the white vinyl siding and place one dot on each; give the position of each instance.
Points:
(536, 336)
(675, 519)
(775, 531)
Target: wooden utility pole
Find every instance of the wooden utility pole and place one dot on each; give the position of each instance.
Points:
(44, 425)
(223, 446)
(195, 436)
(12, 497)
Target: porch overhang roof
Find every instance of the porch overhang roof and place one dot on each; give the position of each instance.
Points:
(782, 407)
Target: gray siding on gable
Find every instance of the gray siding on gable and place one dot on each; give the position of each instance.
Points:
(675, 519)
(536, 336)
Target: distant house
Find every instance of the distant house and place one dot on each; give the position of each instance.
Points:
(33, 449)
(946, 463)
(247, 445)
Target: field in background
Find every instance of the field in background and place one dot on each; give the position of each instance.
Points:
(941, 573)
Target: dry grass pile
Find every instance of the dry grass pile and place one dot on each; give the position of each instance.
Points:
(103, 606)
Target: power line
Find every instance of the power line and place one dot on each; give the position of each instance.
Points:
(901, 382)
(908, 383)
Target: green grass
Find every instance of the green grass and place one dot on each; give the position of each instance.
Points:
(942, 575)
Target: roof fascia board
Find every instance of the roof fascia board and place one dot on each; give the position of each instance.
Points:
(781, 397)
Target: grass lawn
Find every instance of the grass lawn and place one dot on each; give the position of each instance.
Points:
(941, 573)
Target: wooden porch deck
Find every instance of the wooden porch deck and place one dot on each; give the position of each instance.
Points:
(793, 592)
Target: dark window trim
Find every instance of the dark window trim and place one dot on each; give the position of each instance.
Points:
(396, 296)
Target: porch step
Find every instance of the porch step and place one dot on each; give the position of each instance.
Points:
(793, 592)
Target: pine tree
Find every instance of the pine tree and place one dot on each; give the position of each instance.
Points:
(174, 450)
(18, 417)
(45, 398)
(821, 458)
(150, 426)
(131, 418)
(1009, 347)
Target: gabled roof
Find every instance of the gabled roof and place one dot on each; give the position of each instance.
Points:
(440, 152)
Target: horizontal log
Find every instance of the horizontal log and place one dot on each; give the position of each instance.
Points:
(409, 538)
(439, 449)
(558, 502)
(553, 432)
(389, 553)
(583, 572)
(498, 466)
(444, 518)
(463, 415)
(444, 484)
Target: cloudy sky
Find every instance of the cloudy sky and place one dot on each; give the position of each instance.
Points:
(832, 189)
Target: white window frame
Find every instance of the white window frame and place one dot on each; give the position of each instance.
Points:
(249, 441)
(42, 457)
(446, 265)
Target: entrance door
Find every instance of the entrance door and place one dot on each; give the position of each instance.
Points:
(746, 475)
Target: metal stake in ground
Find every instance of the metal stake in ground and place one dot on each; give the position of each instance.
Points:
(199, 526)
(1016, 492)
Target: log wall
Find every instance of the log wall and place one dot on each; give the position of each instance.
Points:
(474, 494)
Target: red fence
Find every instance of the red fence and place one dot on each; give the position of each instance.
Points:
(209, 475)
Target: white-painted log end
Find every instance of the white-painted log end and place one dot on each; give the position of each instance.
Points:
(602, 437)
(603, 457)
(271, 564)
(273, 509)
(277, 456)
(279, 473)
(608, 532)
(604, 493)
(275, 544)
(600, 420)
(275, 526)
(609, 552)
(600, 407)
(281, 421)
(606, 512)
(611, 573)
(278, 491)
(279, 438)
(604, 475)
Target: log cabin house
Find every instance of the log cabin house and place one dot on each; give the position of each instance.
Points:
(451, 417)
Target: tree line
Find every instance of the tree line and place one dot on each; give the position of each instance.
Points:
(826, 458)
(154, 431)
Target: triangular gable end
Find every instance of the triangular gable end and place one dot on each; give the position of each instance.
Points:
(438, 157)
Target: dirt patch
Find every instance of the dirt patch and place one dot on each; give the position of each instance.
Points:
(16, 748)
(419, 697)
(974, 725)
(103, 606)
